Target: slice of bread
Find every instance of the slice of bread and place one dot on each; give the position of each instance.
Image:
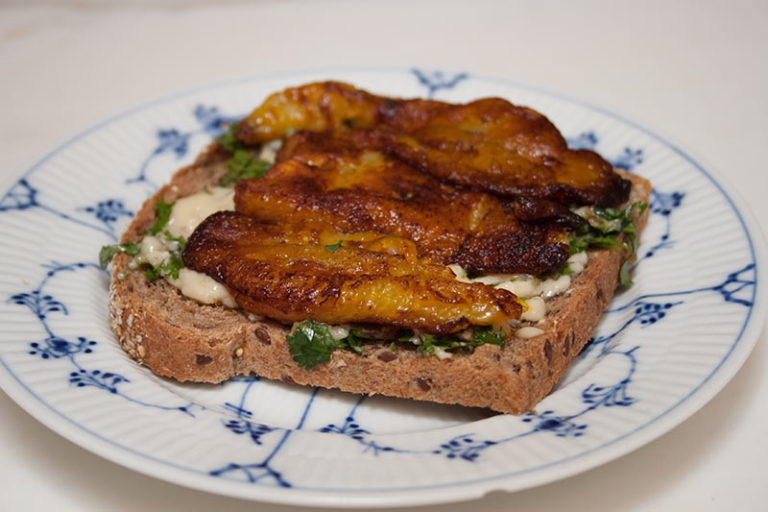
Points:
(180, 338)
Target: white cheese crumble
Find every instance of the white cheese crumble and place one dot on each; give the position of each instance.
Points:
(187, 213)
(190, 211)
(528, 332)
(530, 289)
(202, 288)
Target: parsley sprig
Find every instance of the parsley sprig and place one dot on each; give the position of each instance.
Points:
(171, 266)
(163, 214)
(429, 343)
(311, 343)
(604, 229)
(241, 165)
(108, 252)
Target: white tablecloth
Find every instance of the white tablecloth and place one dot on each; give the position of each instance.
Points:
(696, 74)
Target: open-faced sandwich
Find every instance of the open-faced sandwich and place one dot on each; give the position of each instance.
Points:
(457, 253)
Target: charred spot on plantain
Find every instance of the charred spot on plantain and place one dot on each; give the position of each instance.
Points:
(202, 359)
(288, 379)
(600, 294)
(263, 336)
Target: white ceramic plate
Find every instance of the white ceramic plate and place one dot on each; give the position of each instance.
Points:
(663, 350)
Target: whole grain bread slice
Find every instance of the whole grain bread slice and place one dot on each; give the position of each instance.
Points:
(180, 338)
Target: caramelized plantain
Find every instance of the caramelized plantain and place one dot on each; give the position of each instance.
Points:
(495, 146)
(280, 272)
(489, 144)
(321, 179)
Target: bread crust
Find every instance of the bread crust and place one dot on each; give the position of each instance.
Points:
(179, 338)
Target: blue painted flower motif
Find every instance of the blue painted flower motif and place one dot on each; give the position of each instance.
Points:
(40, 304)
(651, 312)
(741, 282)
(437, 80)
(109, 211)
(645, 312)
(243, 425)
(252, 473)
(54, 347)
(629, 159)
(20, 197)
(349, 428)
(212, 121)
(584, 140)
(108, 381)
(172, 140)
(353, 430)
(463, 447)
(665, 203)
(561, 426)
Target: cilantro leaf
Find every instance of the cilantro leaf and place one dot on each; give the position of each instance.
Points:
(228, 140)
(484, 335)
(243, 165)
(108, 252)
(163, 213)
(428, 343)
(352, 342)
(604, 228)
(311, 344)
(172, 265)
(333, 247)
(151, 273)
(180, 240)
(624, 278)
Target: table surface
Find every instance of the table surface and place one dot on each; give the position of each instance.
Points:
(696, 74)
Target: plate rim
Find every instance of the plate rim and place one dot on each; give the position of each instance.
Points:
(720, 375)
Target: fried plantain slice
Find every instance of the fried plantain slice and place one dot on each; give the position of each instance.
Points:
(279, 272)
(321, 106)
(489, 144)
(320, 179)
(493, 145)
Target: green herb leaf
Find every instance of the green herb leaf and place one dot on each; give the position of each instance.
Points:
(163, 213)
(605, 226)
(311, 344)
(242, 165)
(352, 342)
(333, 247)
(108, 252)
(180, 240)
(484, 335)
(624, 278)
(427, 344)
(151, 272)
(172, 265)
(228, 140)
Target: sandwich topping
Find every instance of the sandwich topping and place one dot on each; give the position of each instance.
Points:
(357, 218)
